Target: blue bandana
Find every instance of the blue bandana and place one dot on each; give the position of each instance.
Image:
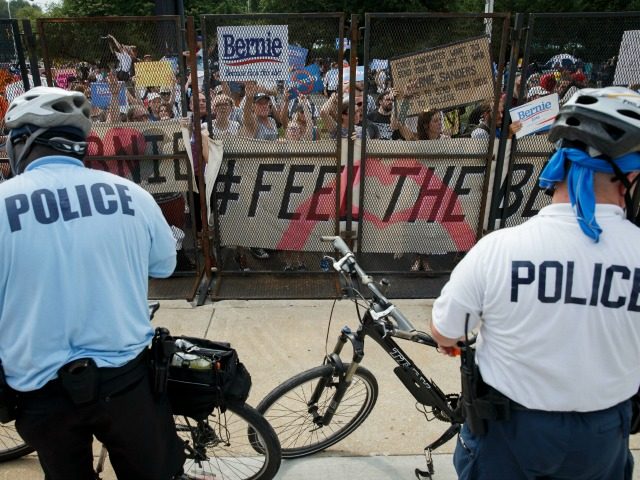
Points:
(580, 181)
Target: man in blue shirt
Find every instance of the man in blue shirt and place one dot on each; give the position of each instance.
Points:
(78, 246)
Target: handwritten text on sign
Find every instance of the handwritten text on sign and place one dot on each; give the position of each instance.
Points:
(444, 77)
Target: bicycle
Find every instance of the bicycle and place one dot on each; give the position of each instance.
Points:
(234, 442)
(319, 407)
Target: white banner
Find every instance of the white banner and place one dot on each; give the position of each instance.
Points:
(424, 206)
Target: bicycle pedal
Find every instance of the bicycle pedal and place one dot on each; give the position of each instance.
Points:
(422, 474)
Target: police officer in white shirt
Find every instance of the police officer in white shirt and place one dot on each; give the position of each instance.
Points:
(78, 246)
(556, 302)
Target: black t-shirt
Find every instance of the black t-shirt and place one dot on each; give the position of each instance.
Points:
(383, 124)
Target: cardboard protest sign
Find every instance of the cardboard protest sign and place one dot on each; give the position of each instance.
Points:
(456, 74)
(535, 115)
(255, 52)
(154, 74)
(628, 67)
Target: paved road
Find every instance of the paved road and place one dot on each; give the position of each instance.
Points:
(279, 338)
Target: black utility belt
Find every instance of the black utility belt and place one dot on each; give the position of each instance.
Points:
(83, 381)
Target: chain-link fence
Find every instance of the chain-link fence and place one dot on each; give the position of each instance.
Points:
(14, 78)
(279, 176)
(564, 53)
(133, 71)
(431, 104)
(396, 135)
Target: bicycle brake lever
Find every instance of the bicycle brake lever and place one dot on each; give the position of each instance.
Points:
(337, 265)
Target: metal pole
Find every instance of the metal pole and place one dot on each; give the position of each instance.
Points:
(9, 8)
(488, 22)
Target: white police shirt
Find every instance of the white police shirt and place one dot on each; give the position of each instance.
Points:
(559, 315)
(77, 247)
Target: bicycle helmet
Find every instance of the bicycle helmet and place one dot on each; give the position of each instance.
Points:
(597, 130)
(605, 119)
(49, 116)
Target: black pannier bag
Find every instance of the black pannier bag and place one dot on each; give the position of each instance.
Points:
(197, 384)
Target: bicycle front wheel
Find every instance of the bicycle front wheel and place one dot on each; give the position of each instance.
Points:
(298, 423)
(237, 444)
(11, 444)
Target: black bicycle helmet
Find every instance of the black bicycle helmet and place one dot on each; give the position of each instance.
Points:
(605, 119)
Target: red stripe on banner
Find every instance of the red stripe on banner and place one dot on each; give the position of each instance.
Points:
(254, 60)
(439, 209)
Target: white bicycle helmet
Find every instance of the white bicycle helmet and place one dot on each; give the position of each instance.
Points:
(49, 116)
(605, 119)
(49, 107)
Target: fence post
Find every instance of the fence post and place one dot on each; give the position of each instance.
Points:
(498, 196)
(33, 57)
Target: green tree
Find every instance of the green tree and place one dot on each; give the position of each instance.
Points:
(98, 8)
(31, 12)
(15, 6)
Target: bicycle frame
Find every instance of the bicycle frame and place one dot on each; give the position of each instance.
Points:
(374, 324)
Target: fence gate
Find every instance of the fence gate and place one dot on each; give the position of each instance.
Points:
(130, 136)
(279, 177)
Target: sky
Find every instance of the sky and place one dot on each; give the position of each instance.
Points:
(41, 3)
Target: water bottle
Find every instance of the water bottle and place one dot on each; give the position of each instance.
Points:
(190, 360)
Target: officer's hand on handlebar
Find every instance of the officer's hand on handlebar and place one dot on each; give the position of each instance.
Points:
(453, 351)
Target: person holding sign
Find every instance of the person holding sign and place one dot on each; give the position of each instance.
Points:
(257, 123)
(301, 125)
(386, 120)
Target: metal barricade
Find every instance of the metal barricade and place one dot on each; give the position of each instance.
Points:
(133, 71)
(562, 53)
(279, 168)
(422, 179)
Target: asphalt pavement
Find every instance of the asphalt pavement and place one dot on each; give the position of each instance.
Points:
(279, 338)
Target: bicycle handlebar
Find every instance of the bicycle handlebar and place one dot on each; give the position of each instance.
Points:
(404, 327)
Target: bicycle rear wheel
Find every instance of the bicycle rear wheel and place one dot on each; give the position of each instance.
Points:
(288, 411)
(11, 444)
(238, 444)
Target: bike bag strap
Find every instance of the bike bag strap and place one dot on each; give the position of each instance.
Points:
(162, 349)
(7, 399)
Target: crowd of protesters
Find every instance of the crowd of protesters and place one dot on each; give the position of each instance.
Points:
(277, 111)
(274, 111)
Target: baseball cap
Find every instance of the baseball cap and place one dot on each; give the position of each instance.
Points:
(260, 96)
(153, 96)
(165, 90)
